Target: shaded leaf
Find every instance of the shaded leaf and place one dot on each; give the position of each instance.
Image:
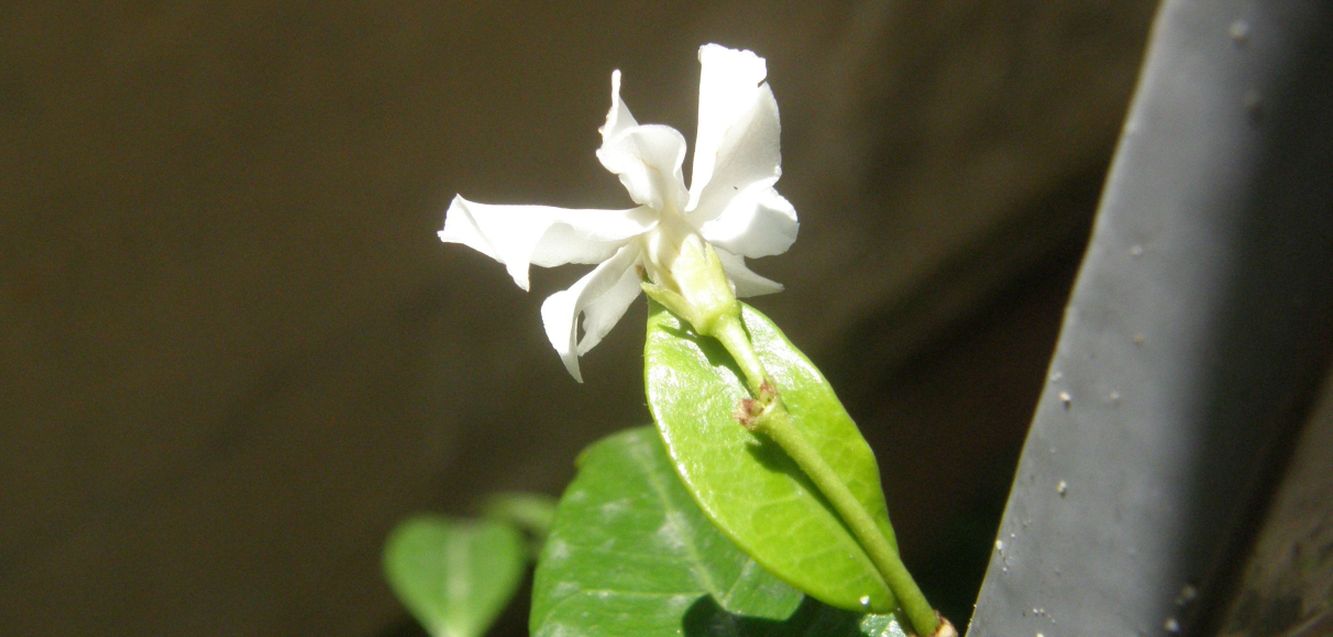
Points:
(454, 576)
(630, 552)
(529, 512)
(749, 487)
(812, 619)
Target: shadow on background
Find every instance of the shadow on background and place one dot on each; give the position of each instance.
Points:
(238, 354)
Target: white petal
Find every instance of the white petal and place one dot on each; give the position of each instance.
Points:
(647, 158)
(747, 283)
(522, 236)
(601, 296)
(737, 146)
(757, 222)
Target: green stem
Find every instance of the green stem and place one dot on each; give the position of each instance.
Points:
(731, 332)
(778, 426)
(774, 421)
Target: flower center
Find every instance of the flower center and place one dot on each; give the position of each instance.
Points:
(686, 269)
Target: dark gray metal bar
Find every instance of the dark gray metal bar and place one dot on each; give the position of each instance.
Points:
(1196, 336)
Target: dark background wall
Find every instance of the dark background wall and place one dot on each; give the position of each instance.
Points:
(234, 352)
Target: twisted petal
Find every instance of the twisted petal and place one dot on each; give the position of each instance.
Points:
(756, 222)
(601, 296)
(737, 147)
(522, 236)
(747, 283)
(647, 158)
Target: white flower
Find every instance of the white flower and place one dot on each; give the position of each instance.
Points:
(730, 203)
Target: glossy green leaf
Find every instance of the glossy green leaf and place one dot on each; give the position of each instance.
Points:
(630, 553)
(454, 576)
(749, 487)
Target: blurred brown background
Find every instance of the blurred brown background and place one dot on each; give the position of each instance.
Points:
(234, 353)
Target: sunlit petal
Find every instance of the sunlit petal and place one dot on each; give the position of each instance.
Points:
(546, 236)
(737, 147)
(747, 282)
(601, 297)
(755, 223)
(647, 158)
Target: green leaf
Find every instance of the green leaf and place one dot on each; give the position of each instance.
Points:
(454, 576)
(529, 512)
(812, 619)
(750, 488)
(631, 554)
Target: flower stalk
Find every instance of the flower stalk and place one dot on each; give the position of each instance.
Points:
(776, 423)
